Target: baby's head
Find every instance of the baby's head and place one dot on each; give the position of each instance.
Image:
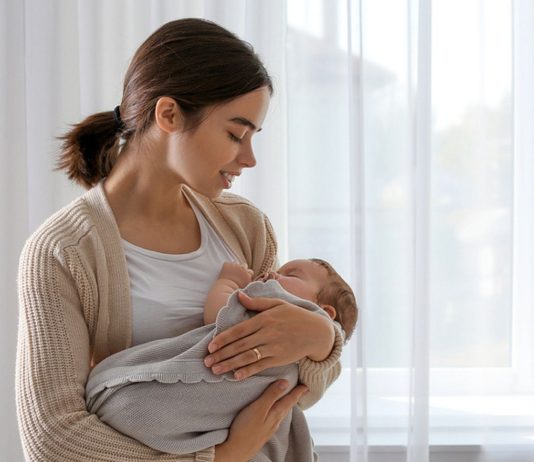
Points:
(315, 280)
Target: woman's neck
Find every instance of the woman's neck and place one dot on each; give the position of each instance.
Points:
(138, 188)
(151, 209)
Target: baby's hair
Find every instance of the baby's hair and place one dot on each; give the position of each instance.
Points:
(337, 292)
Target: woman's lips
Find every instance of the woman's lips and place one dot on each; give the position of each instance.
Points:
(228, 179)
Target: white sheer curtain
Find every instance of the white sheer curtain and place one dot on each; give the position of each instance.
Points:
(398, 146)
(442, 357)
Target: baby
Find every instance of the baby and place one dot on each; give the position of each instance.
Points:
(314, 280)
(163, 395)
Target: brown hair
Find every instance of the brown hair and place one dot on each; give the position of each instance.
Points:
(337, 292)
(194, 61)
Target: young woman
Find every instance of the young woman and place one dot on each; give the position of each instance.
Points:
(100, 274)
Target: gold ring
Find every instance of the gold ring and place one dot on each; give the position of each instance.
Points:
(258, 354)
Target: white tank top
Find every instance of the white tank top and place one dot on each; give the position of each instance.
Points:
(168, 290)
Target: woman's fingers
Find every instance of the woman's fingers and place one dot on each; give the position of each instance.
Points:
(281, 332)
(239, 346)
(254, 368)
(283, 405)
(239, 331)
(244, 328)
(270, 395)
(273, 401)
(258, 303)
(255, 424)
(241, 360)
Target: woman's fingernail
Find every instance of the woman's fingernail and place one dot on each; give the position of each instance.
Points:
(282, 385)
(238, 375)
(212, 347)
(209, 361)
(217, 369)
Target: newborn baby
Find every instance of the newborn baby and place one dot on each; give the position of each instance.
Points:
(163, 395)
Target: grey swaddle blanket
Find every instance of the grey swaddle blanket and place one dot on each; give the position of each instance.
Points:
(161, 394)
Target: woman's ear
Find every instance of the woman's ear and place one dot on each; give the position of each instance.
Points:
(168, 115)
(330, 310)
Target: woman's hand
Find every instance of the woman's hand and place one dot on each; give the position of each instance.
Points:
(256, 423)
(282, 333)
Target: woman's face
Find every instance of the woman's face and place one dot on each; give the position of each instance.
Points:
(209, 157)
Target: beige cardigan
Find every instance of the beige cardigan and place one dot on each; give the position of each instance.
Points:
(75, 310)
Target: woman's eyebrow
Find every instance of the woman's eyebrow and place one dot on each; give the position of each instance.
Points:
(246, 123)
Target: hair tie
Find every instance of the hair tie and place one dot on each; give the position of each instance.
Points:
(119, 124)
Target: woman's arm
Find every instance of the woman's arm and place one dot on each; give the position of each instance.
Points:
(256, 237)
(319, 375)
(283, 333)
(256, 423)
(53, 357)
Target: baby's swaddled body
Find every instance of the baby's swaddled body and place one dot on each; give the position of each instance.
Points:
(162, 394)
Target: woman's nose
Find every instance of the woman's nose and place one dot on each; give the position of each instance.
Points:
(246, 157)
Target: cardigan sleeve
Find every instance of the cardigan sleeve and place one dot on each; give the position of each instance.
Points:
(53, 354)
(316, 375)
(319, 375)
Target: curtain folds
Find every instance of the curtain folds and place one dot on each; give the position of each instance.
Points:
(13, 206)
(523, 217)
(398, 146)
(358, 366)
(420, 103)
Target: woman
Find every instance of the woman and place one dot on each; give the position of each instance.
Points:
(107, 271)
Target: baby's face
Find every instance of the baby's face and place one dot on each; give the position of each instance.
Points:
(302, 278)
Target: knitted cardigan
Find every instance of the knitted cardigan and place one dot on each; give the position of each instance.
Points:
(75, 310)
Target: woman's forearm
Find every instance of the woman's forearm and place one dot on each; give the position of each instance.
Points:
(322, 346)
(319, 375)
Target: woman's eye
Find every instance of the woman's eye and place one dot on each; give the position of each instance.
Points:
(234, 138)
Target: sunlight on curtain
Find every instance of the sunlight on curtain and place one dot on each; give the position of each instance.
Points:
(477, 393)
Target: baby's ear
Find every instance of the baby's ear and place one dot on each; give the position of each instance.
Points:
(330, 310)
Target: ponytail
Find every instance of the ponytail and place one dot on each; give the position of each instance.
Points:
(90, 149)
(194, 61)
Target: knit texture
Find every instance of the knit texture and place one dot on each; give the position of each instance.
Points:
(75, 310)
(140, 391)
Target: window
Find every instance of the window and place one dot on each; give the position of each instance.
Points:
(480, 378)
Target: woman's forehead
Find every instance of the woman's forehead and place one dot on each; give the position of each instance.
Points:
(251, 107)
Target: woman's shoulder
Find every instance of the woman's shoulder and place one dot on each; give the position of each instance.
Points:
(237, 209)
(242, 225)
(236, 202)
(232, 208)
(63, 228)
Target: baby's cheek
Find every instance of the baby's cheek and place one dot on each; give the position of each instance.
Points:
(288, 285)
(297, 287)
